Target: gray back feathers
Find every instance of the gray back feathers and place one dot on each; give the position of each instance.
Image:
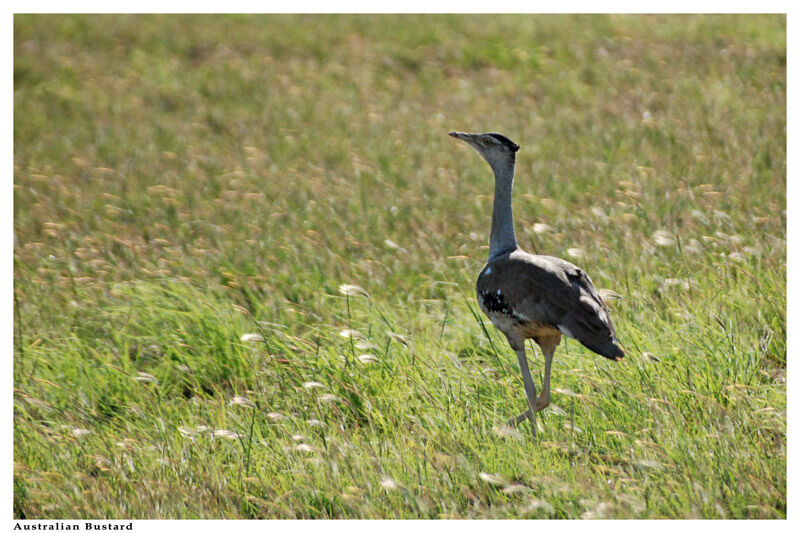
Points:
(553, 292)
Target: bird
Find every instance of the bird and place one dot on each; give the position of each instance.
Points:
(528, 296)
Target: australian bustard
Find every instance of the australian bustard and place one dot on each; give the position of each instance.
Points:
(530, 296)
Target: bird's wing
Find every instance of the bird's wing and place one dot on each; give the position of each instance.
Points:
(553, 291)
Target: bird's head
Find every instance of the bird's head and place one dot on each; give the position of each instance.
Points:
(498, 150)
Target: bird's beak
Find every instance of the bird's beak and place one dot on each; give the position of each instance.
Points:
(466, 137)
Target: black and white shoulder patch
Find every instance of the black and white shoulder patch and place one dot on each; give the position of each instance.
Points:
(495, 302)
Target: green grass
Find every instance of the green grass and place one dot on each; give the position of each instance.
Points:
(182, 181)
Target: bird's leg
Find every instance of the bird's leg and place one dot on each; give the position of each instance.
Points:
(548, 349)
(530, 390)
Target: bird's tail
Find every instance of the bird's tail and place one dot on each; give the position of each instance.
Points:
(610, 349)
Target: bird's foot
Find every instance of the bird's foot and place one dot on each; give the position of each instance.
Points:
(541, 402)
(528, 414)
(520, 418)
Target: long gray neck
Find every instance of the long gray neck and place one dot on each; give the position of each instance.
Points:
(502, 238)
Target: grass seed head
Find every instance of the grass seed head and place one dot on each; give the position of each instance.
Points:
(576, 253)
(352, 290)
(493, 479)
(539, 505)
(389, 483)
(226, 434)
(507, 432)
(647, 356)
(565, 391)
(329, 398)
(608, 295)
(515, 488)
(366, 345)
(144, 376)
(241, 400)
(402, 339)
(664, 238)
(351, 334)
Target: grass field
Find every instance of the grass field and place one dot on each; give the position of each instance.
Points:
(245, 251)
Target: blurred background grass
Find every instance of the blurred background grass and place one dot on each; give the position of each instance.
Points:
(181, 181)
